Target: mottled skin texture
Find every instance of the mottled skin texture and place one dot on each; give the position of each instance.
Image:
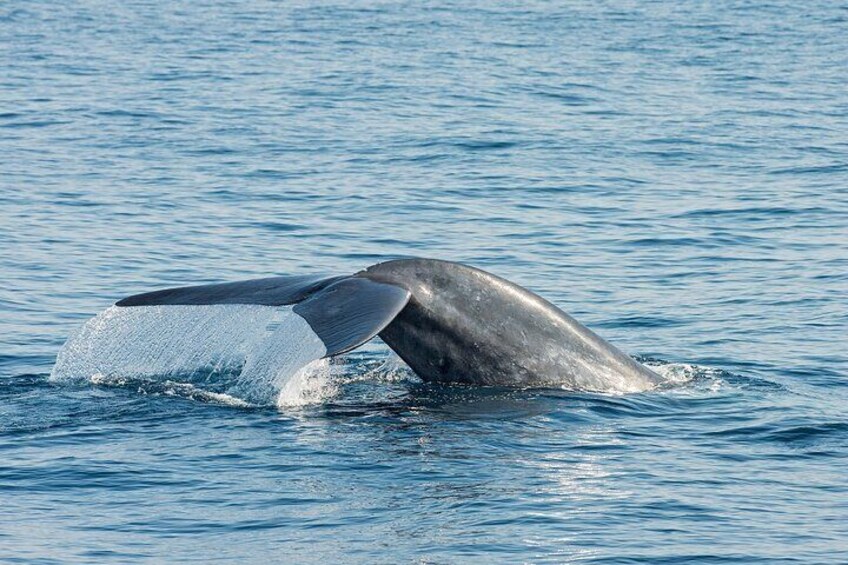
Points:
(464, 325)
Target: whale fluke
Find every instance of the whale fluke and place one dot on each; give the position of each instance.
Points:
(344, 312)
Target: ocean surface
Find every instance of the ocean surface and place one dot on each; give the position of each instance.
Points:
(672, 174)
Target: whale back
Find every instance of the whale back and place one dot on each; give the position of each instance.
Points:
(465, 325)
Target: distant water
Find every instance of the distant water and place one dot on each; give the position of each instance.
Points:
(675, 175)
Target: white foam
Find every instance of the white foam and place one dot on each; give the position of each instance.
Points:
(697, 378)
(674, 373)
(310, 385)
(170, 388)
(260, 355)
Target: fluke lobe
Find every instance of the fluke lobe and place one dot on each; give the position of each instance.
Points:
(449, 322)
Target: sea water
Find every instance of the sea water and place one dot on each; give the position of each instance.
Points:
(671, 174)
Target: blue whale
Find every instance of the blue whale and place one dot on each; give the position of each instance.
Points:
(451, 323)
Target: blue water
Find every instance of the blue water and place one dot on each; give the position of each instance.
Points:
(674, 175)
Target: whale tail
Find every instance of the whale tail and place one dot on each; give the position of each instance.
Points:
(447, 321)
(264, 330)
(344, 312)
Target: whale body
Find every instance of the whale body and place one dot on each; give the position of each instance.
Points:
(451, 323)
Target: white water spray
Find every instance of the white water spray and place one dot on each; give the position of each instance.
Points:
(261, 355)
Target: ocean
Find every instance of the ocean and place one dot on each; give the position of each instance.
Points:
(672, 174)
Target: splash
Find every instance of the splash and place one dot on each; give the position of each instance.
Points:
(384, 366)
(257, 355)
(153, 387)
(677, 374)
(310, 385)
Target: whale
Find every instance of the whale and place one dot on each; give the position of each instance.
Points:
(449, 322)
